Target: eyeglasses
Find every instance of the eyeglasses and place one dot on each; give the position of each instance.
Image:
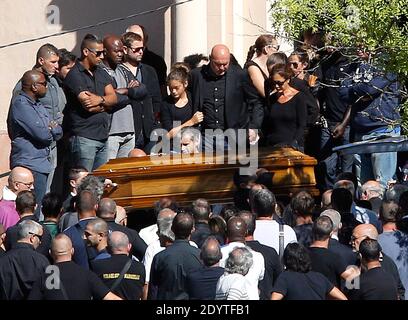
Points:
(294, 64)
(96, 52)
(28, 185)
(37, 235)
(45, 84)
(134, 50)
(354, 238)
(279, 83)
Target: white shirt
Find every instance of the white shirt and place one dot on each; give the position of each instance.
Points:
(149, 234)
(267, 233)
(232, 287)
(8, 194)
(255, 273)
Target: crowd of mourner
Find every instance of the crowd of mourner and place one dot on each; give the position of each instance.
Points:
(70, 115)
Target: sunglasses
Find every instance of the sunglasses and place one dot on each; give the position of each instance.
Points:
(134, 50)
(45, 84)
(96, 52)
(294, 64)
(279, 83)
(37, 235)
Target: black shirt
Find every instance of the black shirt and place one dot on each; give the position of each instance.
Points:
(286, 122)
(79, 284)
(273, 268)
(170, 112)
(334, 70)
(108, 270)
(375, 284)
(345, 252)
(19, 269)
(85, 124)
(202, 283)
(138, 245)
(170, 268)
(328, 263)
(213, 99)
(303, 286)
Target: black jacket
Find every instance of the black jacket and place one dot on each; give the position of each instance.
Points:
(243, 108)
(19, 269)
(144, 109)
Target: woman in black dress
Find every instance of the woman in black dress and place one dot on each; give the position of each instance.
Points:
(286, 114)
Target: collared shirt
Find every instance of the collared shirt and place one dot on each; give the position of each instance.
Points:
(30, 135)
(85, 124)
(8, 194)
(214, 100)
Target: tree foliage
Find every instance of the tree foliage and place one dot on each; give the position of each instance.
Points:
(378, 26)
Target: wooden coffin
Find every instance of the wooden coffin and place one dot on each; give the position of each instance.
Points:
(141, 181)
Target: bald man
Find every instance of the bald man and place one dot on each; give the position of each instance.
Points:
(130, 287)
(368, 231)
(223, 92)
(136, 153)
(76, 283)
(236, 232)
(32, 132)
(54, 100)
(20, 179)
(150, 58)
(121, 138)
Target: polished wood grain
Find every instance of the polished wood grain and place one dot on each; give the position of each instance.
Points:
(142, 181)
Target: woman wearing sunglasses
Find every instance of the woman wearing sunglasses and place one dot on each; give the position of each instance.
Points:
(286, 116)
(306, 82)
(258, 54)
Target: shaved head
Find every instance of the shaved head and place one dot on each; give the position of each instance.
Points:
(220, 59)
(136, 153)
(118, 242)
(19, 178)
(106, 208)
(30, 78)
(61, 246)
(111, 41)
(361, 232)
(236, 229)
(166, 213)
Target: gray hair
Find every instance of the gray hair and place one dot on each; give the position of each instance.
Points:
(92, 184)
(378, 189)
(164, 228)
(27, 228)
(239, 261)
(117, 241)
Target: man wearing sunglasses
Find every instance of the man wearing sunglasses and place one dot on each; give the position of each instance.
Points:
(22, 265)
(89, 95)
(32, 132)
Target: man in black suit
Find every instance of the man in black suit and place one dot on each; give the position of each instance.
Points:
(223, 93)
(144, 110)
